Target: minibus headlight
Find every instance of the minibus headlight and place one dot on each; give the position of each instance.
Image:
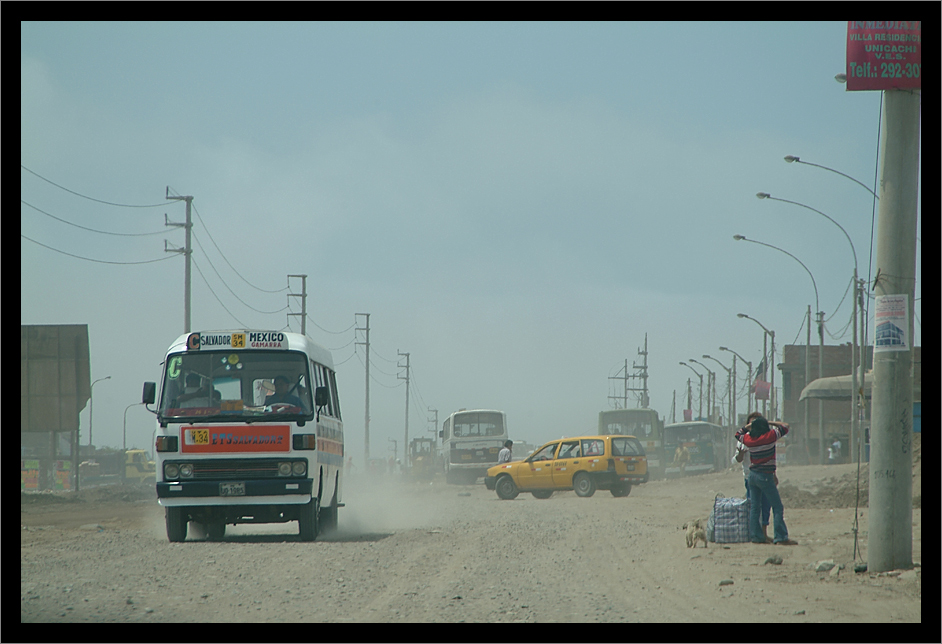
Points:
(171, 471)
(299, 468)
(186, 471)
(284, 469)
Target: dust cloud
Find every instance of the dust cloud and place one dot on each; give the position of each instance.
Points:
(384, 506)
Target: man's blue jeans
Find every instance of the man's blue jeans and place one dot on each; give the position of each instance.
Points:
(764, 502)
(763, 483)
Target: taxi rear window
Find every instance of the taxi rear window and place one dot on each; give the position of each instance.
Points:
(593, 447)
(626, 446)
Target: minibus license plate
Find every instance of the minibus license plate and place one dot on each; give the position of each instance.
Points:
(232, 489)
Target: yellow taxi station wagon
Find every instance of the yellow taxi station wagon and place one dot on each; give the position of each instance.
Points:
(584, 464)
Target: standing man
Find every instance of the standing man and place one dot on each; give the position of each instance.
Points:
(505, 454)
(759, 437)
(742, 456)
(681, 458)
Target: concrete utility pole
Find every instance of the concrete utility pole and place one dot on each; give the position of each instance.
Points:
(434, 422)
(689, 397)
(821, 447)
(625, 378)
(807, 381)
(645, 401)
(366, 420)
(303, 296)
(405, 441)
(187, 253)
(891, 460)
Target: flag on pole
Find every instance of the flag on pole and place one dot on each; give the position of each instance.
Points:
(761, 389)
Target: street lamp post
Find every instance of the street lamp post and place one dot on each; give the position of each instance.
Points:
(124, 432)
(91, 407)
(862, 362)
(820, 316)
(731, 409)
(765, 359)
(793, 159)
(700, 376)
(853, 352)
(711, 390)
(748, 366)
(731, 403)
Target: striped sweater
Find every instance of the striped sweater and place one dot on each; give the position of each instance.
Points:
(762, 449)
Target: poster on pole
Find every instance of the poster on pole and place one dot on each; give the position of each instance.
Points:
(883, 55)
(892, 322)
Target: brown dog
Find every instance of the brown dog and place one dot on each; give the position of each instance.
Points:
(695, 532)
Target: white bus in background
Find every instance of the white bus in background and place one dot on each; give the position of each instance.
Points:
(471, 441)
(248, 431)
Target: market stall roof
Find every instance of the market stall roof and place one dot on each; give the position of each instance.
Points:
(839, 388)
(834, 388)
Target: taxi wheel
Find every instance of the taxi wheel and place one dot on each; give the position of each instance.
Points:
(542, 494)
(621, 489)
(506, 488)
(583, 485)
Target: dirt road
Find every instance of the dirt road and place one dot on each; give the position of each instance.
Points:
(420, 552)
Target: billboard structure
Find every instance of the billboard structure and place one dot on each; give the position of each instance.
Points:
(54, 389)
(884, 55)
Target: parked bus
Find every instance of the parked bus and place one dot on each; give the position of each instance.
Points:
(705, 443)
(471, 441)
(646, 426)
(248, 431)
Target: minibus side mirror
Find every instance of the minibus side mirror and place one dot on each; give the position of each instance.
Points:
(149, 394)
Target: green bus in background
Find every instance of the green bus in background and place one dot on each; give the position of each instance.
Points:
(645, 425)
(704, 441)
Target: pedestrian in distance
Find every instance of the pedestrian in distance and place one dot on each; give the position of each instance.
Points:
(759, 437)
(681, 458)
(505, 453)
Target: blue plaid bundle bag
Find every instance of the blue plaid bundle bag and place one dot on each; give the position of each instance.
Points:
(729, 520)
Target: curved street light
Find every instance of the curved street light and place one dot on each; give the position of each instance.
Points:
(711, 398)
(813, 283)
(793, 159)
(765, 195)
(765, 357)
(730, 390)
(91, 406)
(820, 316)
(124, 432)
(859, 299)
(749, 366)
(700, 376)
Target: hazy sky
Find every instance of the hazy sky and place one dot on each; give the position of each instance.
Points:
(515, 204)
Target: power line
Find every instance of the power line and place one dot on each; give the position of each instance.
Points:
(377, 381)
(78, 194)
(331, 332)
(228, 262)
(386, 359)
(344, 346)
(242, 324)
(89, 259)
(227, 286)
(102, 232)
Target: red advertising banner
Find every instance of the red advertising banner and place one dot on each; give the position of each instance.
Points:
(883, 55)
(239, 438)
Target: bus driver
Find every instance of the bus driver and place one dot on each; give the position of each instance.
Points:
(281, 394)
